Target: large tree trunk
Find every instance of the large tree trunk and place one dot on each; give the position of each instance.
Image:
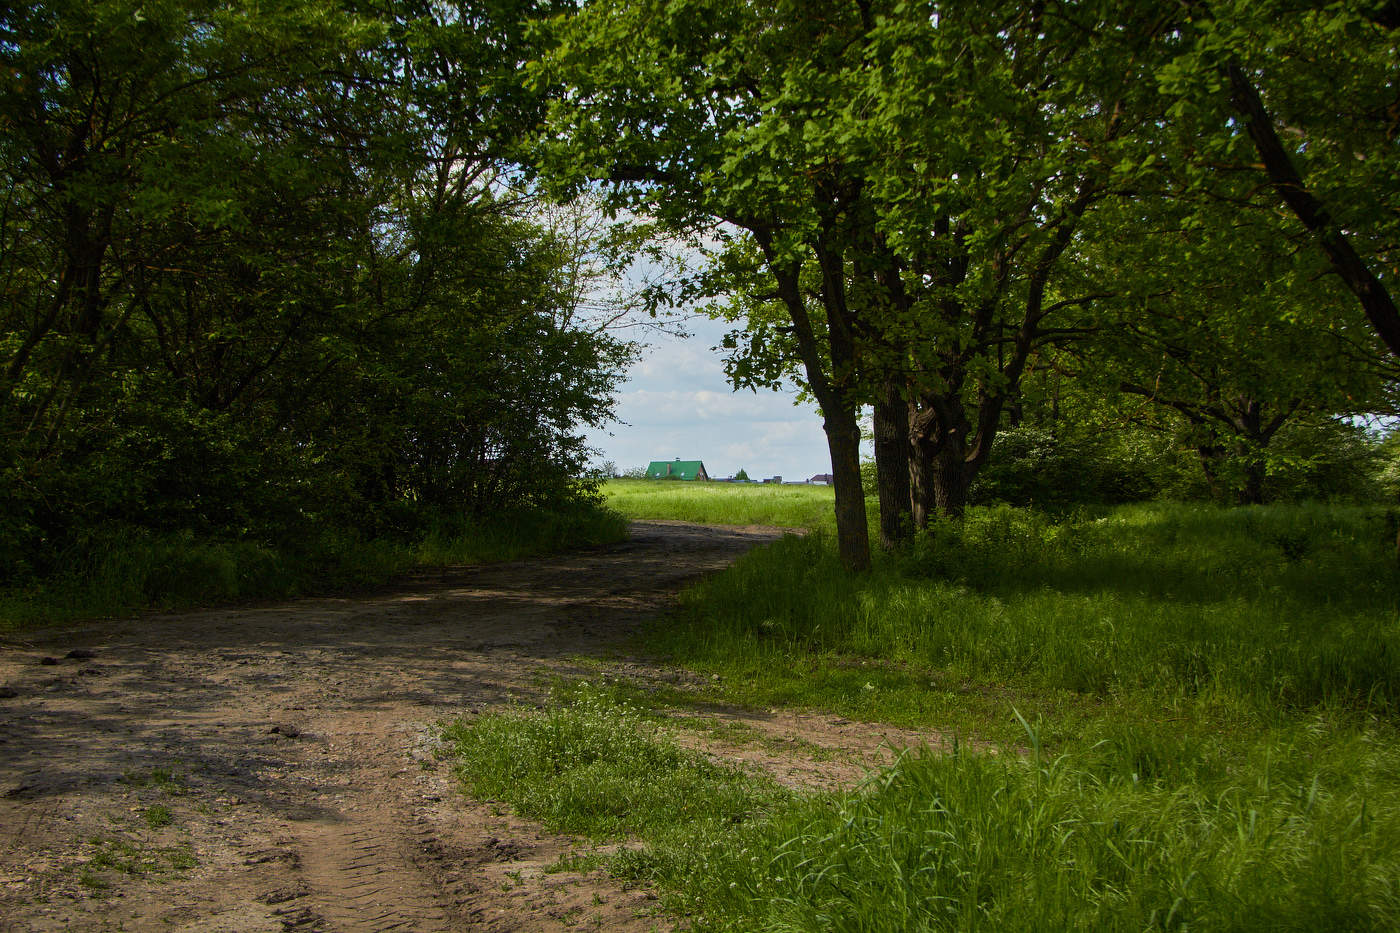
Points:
(1251, 491)
(1211, 454)
(892, 468)
(921, 453)
(941, 465)
(1249, 420)
(952, 477)
(852, 533)
(830, 380)
(940, 478)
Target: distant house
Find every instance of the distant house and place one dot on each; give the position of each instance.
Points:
(677, 469)
(822, 479)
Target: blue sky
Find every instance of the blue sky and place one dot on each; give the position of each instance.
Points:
(676, 403)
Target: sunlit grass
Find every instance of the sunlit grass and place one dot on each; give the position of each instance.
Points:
(722, 503)
(1253, 610)
(1165, 717)
(1294, 830)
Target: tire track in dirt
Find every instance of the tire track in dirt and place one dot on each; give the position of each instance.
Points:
(271, 767)
(358, 875)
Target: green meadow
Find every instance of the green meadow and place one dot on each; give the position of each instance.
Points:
(1144, 717)
(722, 503)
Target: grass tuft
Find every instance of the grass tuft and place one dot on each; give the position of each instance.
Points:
(597, 767)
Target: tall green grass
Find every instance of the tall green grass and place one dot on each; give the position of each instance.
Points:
(117, 570)
(1259, 609)
(1301, 832)
(1171, 717)
(722, 503)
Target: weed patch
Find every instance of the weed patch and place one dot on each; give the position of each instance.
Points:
(129, 857)
(597, 767)
(157, 816)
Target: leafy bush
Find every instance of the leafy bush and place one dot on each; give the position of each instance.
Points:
(1038, 466)
(282, 339)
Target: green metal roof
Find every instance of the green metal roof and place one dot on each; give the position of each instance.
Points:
(676, 469)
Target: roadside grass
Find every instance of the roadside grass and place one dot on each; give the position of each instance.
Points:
(599, 767)
(1239, 615)
(1164, 716)
(139, 843)
(120, 570)
(966, 840)
(166, 780)
(722, 503)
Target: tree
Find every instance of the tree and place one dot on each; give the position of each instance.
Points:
(261, 276)
(975, 143)
(904, 203)
(128, 245)
(701, 114)
(1220, 326)
(1302, 96)
(1001, 131)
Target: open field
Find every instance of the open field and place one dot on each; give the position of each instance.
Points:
(722, 503)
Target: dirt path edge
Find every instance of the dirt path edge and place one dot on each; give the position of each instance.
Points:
(273, 768)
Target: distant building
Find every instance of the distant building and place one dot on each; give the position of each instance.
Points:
(822, 479)
(677, 469)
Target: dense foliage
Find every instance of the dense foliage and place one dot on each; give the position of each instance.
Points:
(263, 277)
(915, 206)
(267, 270)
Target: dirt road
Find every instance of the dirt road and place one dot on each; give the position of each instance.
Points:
(272, 768)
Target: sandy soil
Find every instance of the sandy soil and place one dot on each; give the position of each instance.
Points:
(273, 767)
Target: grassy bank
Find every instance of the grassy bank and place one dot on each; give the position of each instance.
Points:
(1169, 717)
(120, 570)
(722, 503)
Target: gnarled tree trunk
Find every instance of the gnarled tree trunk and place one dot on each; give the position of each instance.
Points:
(942, 459)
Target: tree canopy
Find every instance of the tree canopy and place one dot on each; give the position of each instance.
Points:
(262, 274)
(278, 265)
(905, 203)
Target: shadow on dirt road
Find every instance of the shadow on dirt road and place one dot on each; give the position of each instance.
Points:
(272, 768)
